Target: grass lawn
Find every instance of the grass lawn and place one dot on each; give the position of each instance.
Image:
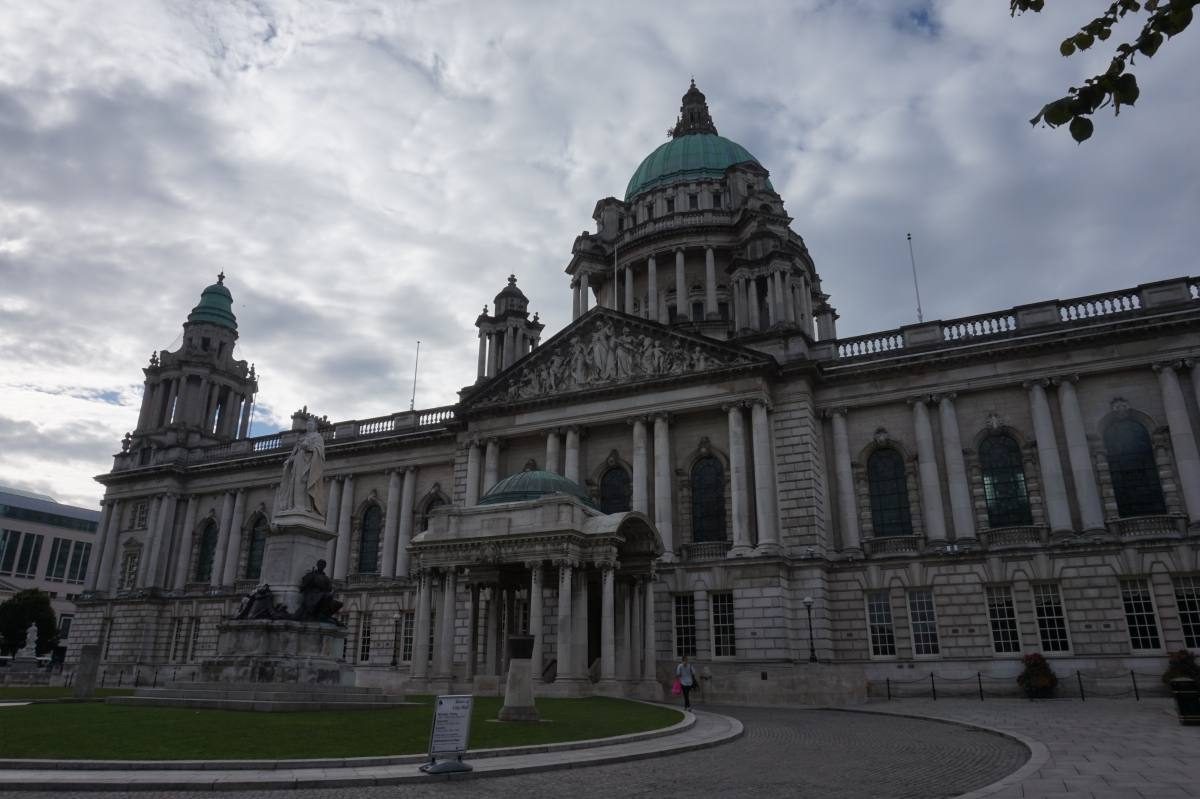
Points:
(12, 693)
(86, 731)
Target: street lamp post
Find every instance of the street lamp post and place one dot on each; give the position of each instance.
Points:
(396, 638)
(812, 650)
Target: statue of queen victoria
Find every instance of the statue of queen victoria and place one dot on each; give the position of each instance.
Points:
(303, 472)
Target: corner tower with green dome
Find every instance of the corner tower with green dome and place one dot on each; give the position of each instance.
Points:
(199, 394)
(702, 240)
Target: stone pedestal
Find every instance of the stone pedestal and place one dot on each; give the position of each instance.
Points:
(518, 690)
(85, 673)
(273, 651)
(295, 543)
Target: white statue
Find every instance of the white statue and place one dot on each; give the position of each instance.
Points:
(29, 651)
(303, 472)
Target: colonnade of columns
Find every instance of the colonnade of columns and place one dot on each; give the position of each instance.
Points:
(216, 407)
(627, 626)
(501, 348)
(621, 294)
(1056, 498)
(787, 300)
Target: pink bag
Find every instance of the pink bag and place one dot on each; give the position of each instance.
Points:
(676, 687)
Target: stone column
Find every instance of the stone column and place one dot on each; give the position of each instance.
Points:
(738, 485)
(419, 669)
(585, 298)
(247, 408)
(663, 507)
(160, 541)
(571, 472)
(491, 653)
(637, 638)
(579, 624)
(535, 618)
(931, 489)
(108, 551)
(210, 411)
(218, 569)
(472, 473)
(1058, 512)
(961, 511)
(1183, 439)
(752, 301)
(764, 480)
(509, 352)
(341, 561)
(472, 634)
(391, 526)
(174, 392)
(847, 504)
(641, 472)
(629, 290)
(491, 464)
(608, 655)
(446, 621)
(652, 291)
(331, 519)
(1079, 454)
(575, 299)
(553, 452)
(626, 649)
(481, 367)
(710, 285)
(235, 538)
(408, 497)
(787, 297)
(650, 666)
(564, 620)
(739, 304)
(682, 309)
(89, 582)
(184, 556)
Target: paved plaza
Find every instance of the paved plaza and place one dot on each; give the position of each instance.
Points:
(1099, 749)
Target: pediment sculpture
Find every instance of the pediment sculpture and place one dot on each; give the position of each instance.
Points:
(609, 351)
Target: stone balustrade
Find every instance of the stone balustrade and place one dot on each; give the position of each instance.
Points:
(1002, 537)
(1140, 528)
(1141, 300)
(700, 551)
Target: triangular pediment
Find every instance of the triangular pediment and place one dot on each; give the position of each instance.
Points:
(608, 349)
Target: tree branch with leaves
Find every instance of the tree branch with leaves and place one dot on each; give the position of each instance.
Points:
(1116, 86)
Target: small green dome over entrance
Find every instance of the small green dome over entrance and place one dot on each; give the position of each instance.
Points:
(215, 306)
(534, 484)
(688, 157)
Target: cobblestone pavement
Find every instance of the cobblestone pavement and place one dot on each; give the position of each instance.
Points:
(784, 752)
(1102, 749)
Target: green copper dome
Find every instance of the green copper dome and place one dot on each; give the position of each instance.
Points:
(216, 306)
(534, 484)
(687, 157)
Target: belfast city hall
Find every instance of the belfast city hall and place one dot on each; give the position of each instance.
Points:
(696, 465)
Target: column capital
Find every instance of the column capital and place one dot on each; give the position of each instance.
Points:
(920, 399)
(635, 419)
(606, 563)
(949, 396)
(494, 441)
(553, 431)
(1037, 382)
(766, 403)
(661, 416)
(1067, 379)
(565, 562)
(740, 405)
(1168, 365)
(832, 412)
(534, 566)
(409, 469)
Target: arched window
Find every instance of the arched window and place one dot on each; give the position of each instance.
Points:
(258, 543)
(368, 545)
(1133, 470)
(888, 487)
(708, 500)
(436, 501)
(208, 548)
(615, 490)
(1004, 481)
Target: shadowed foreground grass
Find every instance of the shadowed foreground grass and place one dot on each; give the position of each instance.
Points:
(100, 731)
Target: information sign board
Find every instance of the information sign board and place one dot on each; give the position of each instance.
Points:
(451, 725)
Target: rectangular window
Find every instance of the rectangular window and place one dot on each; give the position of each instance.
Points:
(56, 565)
(1052, 622)
(1002, 614)
(1139, 614)
(693, 202)
(364, 638)
(407, 623)
(80, 554)
(64, 627)
(31, 551)
(195, 639)
(129, 570)
(178, 640)
(10, 541)
(723, 632)
(108, 628)
(1187, 597)
(716, 199)
(685, 625)
(649, 211)
(923, 618)
(879, 624)
(670, 205)
(137, 515)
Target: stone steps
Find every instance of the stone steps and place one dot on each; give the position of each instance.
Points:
(263, 697)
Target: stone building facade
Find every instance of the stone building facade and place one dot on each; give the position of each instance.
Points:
(942, 497)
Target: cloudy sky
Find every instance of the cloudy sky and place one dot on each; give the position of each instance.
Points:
(368, 173)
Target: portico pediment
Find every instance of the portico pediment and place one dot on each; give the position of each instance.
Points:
(605, 349)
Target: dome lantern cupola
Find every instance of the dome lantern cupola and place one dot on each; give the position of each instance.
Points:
(693, 114)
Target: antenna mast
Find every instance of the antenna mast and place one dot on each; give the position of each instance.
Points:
(412, 403)
(916, 287)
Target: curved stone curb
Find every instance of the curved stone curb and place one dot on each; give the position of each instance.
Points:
(1039, 755)
(699, 731)
(686, 723)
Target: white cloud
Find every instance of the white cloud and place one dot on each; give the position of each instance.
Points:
(367, 174)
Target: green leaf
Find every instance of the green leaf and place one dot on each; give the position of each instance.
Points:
(1081, 129)
(1148, 45)
(1178, 19)
(1058, 112)
(1126, 92)
(1066, 48)
(1083, 40)
(1103, 34)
